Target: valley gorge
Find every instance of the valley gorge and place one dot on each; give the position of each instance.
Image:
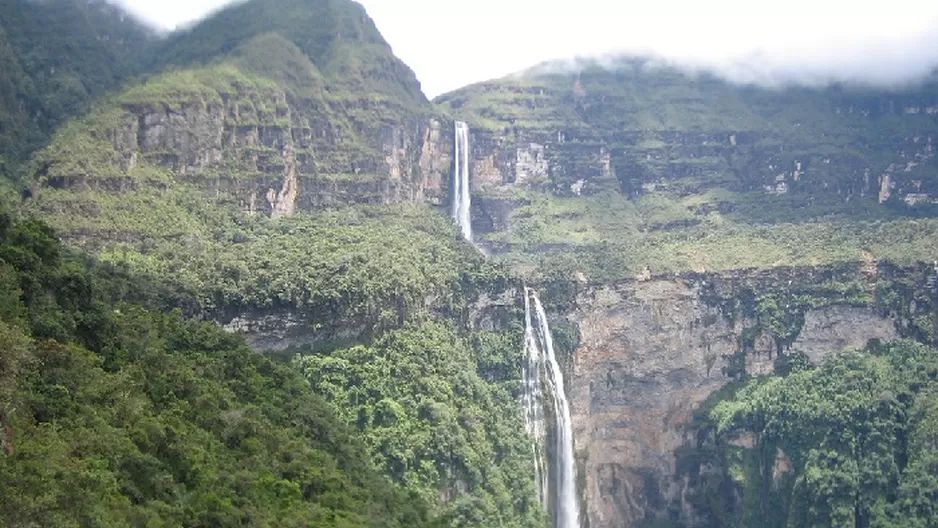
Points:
(562, 298)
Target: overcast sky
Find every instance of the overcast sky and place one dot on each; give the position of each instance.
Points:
(452, 43)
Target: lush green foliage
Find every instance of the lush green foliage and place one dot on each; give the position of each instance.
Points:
(441, 414)
(56, 57)
(373, 265)
(335, 35)
(112, 415)
(360, 271)
(848, 444)
(610, 236)
(911, 296)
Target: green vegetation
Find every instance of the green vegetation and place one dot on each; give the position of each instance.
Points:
(608, 237)
(437, 409)
(274, 57)
(398, 279)
(394, 283)
(651, 167)
(441, 414)
(335, 35)
(116, 411)
(56, 58)
(209, 86)
(910, 296)
(368, 264)
(248, 101)
(849, 443)
(115, 415)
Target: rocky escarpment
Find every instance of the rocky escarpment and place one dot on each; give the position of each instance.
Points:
(258, 150)
(305, 111)
(651, 352)
(291, 330)
(646, 354)
(637, 129)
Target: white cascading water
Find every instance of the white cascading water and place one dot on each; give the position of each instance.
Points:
(461, 199)
(533, 405)
(542, 365)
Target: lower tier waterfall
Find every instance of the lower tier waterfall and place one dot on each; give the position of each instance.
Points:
(554, 465)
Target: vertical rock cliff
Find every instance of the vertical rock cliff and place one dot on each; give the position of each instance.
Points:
(634, 164)
(651, 352)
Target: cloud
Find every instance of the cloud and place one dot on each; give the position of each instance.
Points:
(171, 14)
(881, 63)
(451, 43)
(770, 43)
(889, 65)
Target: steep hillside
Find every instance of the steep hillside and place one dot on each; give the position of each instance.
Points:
(265, 112)
(851, 443)
(336, 35)
(115, 415)
(58, 56)
(268, 125)
(274, 174)
(638, 165)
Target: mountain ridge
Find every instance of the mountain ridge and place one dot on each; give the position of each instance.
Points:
(576, 160)
(279, 171)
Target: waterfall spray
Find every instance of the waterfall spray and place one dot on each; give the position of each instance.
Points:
(542, 365)
(461, 199)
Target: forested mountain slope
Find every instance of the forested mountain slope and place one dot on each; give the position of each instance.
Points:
(272, 165)
(114, 414)
(58, 57)
(851, 443)
(337, 36)
(704, 250)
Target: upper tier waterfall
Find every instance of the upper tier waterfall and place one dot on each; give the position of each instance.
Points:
(461, 199)
(542, 376)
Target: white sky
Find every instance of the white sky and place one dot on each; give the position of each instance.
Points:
(452, 43)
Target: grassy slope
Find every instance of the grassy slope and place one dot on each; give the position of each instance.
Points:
(335, 35)
(683, 197)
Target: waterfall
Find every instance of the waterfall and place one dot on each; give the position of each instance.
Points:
(461, 199)
(533, 405)
(543, 372)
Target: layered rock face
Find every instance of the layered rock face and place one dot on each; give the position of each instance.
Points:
(269, 156)
(311, 112)
(651, 352)
(637, 128)
(285, 330)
